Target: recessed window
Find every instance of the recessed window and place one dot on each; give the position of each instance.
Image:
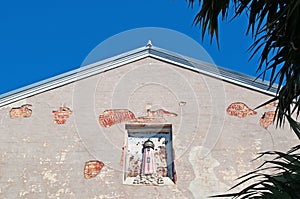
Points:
(149, 154)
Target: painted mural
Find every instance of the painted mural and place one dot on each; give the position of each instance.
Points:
(137, 167)
(146, 164)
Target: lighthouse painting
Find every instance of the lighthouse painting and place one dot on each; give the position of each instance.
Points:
(148, 161)
(148, 155)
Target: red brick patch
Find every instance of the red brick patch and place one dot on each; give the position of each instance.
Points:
(92, 168)
(267, 119)
(21, 112)
(115, 116)
(239, 109)
(61, 115)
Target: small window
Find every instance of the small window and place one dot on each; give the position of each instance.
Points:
(149, 154)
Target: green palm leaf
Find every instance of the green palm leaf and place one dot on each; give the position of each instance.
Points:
(275, 29)
(277, 178)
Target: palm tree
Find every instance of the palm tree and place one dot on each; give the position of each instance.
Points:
(277, 178)
(275, 29)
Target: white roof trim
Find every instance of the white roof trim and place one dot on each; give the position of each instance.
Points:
(128, 57)
(217, 76)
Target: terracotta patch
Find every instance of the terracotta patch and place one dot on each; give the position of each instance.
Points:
(21, 112)
(267, 119)
(154, 116)
(239, 109)
(61, 116)
(92, 168)
(115, 116)
(159, 113)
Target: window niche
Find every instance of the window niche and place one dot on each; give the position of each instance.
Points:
(148, 158)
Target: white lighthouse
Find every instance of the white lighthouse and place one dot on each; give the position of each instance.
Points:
(148, 161)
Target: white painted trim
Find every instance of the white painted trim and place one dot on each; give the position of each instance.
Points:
(112, 63)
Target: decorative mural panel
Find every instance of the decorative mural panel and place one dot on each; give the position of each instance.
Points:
(239, 109)
(148, 157)
(21, 112)
(61, 115)
(92, 168)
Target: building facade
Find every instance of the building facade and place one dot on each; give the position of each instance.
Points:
(83, 134)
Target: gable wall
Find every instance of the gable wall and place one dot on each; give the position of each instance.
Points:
(40, 159)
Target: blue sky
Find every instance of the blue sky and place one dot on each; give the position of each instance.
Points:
(41, 39)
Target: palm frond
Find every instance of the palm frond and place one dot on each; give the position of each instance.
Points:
(277, 178)
(274, 26)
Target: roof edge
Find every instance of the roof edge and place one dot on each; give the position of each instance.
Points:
(129, 57)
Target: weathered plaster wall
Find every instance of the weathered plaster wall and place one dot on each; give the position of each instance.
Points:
(40, 159)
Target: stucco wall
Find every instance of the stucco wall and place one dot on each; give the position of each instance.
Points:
(40, 159)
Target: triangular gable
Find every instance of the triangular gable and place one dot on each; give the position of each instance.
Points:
(129, 57)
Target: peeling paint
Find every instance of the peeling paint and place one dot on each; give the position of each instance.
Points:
(50, 176)
(6, 186)
(111, 195)
(105, 174)
(61, 157)
(35, 188)
(21, 112)
(154, 116)
(61, 115)
(115, 116)
(158, 113)
(239, 109)
(58, 194)
(31, 189)
(23, 193)
(267, 119)
(39, 159)
(24, 175)
(92, 168)
(257, 144)
(177, 192)
(205, 181)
